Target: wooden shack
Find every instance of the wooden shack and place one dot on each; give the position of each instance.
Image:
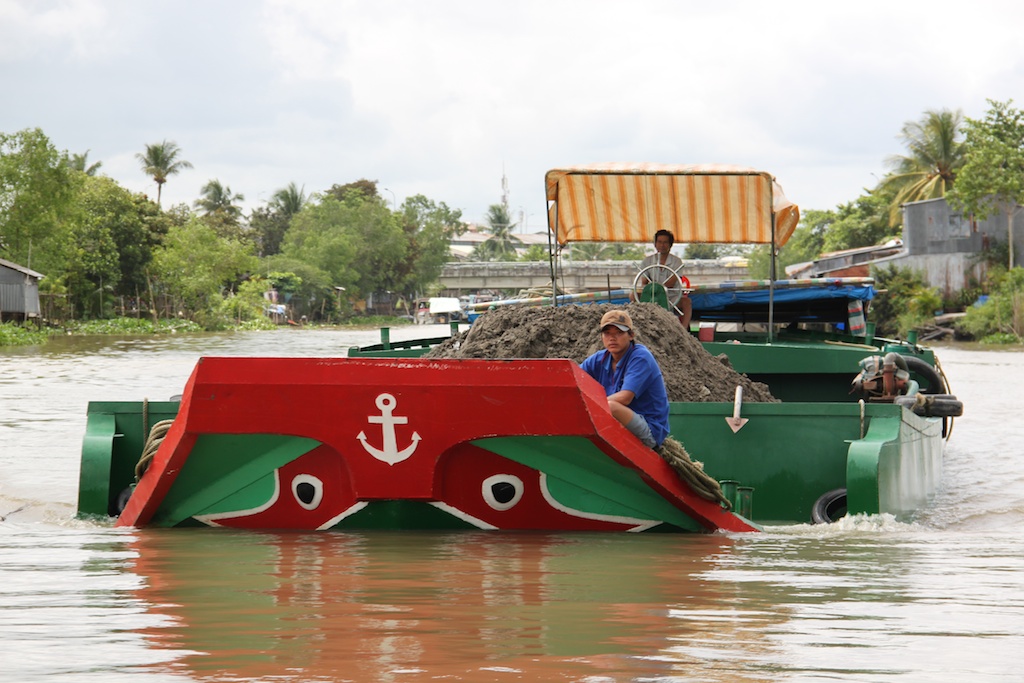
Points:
(19, 292)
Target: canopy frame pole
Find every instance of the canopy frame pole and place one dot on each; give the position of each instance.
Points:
(552, 247)
(771, 270)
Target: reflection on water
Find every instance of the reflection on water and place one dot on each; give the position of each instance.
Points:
(382, 606)
(867, 599)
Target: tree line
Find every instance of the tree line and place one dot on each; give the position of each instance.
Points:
(98, 244)
(327, 252)
(977, 165)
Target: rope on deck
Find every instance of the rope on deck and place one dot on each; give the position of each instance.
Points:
(692, 472)
(153, 441)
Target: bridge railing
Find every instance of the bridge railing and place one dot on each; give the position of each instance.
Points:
(578, 276)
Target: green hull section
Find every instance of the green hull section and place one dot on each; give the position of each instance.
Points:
(793, 453)
(115, 433)
(789, 454)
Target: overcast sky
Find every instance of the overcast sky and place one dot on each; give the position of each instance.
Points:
(443, 97)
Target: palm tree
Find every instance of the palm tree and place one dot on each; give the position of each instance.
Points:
(289, 200)
(501, 245)
(218, 200)
(80, 162)
(160, 161)
(935, 152)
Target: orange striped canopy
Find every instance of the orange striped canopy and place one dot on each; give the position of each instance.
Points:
(625, 202)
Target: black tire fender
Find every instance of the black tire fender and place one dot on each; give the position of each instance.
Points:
(829, 507)
(121, 501)
(944, 406)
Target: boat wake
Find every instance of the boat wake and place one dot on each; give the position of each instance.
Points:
(22, 511)
(848, 525)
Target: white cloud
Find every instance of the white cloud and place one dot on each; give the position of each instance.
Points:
(32, 29)
(440, 98)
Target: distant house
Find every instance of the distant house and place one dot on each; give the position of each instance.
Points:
(944, 244)
(19, 292)
(462, 246)
(938, 242)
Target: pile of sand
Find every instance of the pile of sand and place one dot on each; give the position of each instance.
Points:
(691, 373)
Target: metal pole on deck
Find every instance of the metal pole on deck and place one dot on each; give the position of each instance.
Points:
(771, 280)
(551, 251)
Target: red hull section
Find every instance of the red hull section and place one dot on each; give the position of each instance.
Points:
(393, 429)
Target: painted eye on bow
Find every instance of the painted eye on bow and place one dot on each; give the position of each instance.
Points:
(502, 491)
(308, 491)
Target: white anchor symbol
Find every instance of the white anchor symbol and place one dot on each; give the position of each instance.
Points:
(390, 454)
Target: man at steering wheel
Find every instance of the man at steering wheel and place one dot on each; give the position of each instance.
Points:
(663, 256)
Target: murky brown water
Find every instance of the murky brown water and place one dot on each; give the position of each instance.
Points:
(863, 600)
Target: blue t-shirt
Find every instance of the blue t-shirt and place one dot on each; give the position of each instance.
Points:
(637, 372)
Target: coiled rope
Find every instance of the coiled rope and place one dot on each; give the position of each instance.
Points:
(692, 472)
(153, 441)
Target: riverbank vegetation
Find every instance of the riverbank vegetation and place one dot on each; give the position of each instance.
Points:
(978, 166)
(116, 261)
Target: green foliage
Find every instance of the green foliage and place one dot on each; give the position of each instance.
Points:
(935, 153)
(15, 334)
(535, 252)
(80, 162)
(91, 270)
(501, 245)
(160, 160)
(289, 200)
(923, 304)
(360, 189)
(375, 321)
(131, 326)
(995, 165)
(36, 194)
(1000, 320)
(759, 262)
(219, 205)
(286, 284)
(246, 307)
(864, 222)
(134, 226)
(358, 242)
(904, 301)
(804, 245)
(101, 246)
(993, 177)
(808, 240)
(701, 250)
(307, 290)
(603, 251)
(194, 266)
(268, 225)
(428, 227)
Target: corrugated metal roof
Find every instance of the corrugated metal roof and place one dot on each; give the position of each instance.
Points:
(20, 269)
(629, 202)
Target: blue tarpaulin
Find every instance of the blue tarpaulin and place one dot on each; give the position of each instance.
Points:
(716, 301)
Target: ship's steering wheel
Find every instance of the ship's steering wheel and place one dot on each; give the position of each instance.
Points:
(658, 274)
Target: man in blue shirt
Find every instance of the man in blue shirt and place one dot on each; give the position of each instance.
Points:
(632, 380)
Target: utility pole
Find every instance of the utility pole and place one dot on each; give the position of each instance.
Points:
(504, 189)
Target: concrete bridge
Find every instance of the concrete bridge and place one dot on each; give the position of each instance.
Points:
(579, 276)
